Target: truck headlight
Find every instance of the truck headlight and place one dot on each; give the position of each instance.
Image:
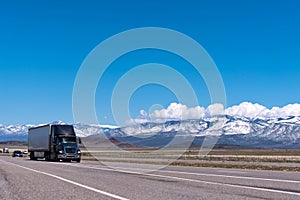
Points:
(60, 151)
(78, 151)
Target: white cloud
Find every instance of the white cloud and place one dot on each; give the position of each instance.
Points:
(180, 111)
(251, 110)
(136, 121)
(215, 109)
(245, 109)
(286, 111)
(143, 113)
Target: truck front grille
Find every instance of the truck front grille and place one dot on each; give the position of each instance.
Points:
(70, 150)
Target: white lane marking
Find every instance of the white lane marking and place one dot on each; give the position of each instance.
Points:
(72, 182)
(193, 180)
(199, 174)
(231, 172)
(216, 175)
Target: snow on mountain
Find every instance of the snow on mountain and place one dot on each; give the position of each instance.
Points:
(239, 126)
(286, 120)
(232, 126)
(282, 132)
(59, 122)
(19, 132)
(14, 129)
(14, 132)
(84, 130)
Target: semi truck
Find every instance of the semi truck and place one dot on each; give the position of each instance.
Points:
(54, 143)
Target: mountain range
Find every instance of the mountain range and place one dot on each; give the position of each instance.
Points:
(283, 132)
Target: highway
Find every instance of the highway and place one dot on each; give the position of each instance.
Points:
(21, 178)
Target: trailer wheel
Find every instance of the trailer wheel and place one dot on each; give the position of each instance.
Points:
(47, 157)
(32, 156)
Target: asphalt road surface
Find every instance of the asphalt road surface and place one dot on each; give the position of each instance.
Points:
(21, 178)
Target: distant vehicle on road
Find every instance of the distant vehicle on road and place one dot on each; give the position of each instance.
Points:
(5, 150)
(17, 153)
(54, 143)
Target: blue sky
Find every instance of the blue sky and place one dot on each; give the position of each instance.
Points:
(255, 44)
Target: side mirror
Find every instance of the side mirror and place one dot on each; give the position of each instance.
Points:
(79, 140)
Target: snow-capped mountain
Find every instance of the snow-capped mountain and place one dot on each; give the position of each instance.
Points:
(14, 132)
(84, 130)
(281, 132)
(271, 132)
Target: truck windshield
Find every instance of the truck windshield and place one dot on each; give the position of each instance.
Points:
(68, 140)
(60, 130)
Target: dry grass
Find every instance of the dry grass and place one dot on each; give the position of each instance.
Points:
(262, 159)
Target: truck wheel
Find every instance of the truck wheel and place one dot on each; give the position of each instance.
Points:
(78, 160)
